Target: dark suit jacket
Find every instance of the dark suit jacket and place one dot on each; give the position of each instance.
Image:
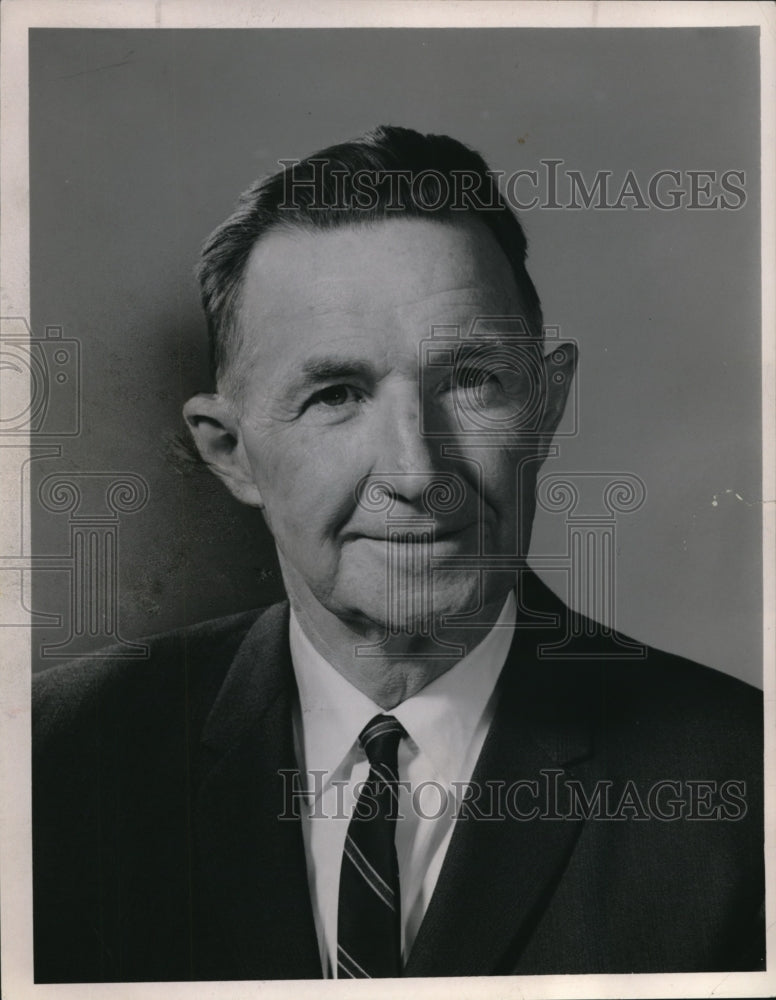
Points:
(159, 855)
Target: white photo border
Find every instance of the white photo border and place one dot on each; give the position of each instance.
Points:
(18, 16)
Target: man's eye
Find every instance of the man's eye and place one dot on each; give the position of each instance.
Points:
(473, 378)
(335, 395)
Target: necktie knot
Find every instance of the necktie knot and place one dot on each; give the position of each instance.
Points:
(380, 740)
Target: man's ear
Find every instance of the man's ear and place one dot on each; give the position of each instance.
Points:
(216, 432)
(559, 368)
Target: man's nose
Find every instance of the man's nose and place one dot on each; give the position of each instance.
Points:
(407, 460)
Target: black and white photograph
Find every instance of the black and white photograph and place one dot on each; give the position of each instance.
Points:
(388, 473)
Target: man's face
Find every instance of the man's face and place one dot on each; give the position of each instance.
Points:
(346, 423)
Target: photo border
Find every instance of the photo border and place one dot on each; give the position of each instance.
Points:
(17, 17)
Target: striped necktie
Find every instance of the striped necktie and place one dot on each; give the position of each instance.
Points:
(369, 915)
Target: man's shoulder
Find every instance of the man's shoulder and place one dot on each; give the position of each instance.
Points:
(646, 704)
(632, 677)
(668, 710)
(192, 660)
(660, 680)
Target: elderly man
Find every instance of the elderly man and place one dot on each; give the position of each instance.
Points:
(395, 772)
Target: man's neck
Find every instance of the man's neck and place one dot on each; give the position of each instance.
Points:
(388, 670)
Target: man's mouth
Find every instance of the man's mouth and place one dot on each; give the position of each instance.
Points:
(420, 536)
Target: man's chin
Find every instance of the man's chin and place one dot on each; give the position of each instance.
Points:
(452, 599)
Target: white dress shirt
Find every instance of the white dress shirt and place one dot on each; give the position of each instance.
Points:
(446, 723)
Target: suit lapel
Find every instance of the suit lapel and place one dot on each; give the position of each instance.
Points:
(255, 902)
(499, 874)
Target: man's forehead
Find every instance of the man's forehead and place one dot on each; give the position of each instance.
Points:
(402, 266)
(469, 311)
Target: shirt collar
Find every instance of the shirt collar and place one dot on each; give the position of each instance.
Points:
(441, 719)
(333, 711)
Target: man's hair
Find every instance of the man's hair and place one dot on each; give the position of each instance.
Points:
(385, 173)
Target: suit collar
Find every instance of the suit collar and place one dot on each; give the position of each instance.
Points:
(255, 897)
(499, 874)
(260, 674)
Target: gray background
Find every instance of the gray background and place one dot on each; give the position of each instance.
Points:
(140, 142)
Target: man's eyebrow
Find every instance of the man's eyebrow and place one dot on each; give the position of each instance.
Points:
(314, 371)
